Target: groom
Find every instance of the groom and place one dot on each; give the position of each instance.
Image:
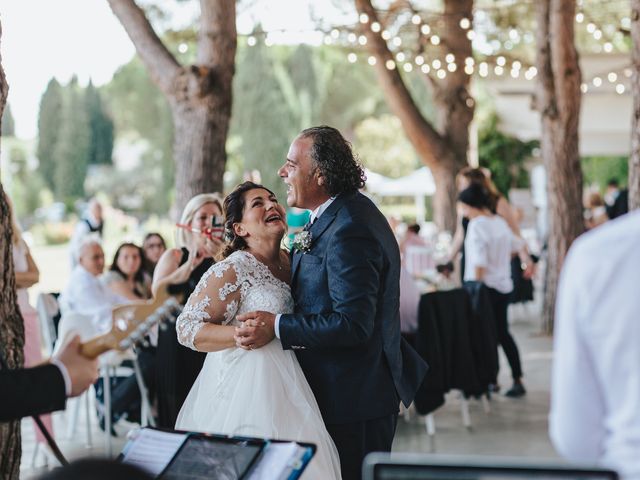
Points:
(345, 327)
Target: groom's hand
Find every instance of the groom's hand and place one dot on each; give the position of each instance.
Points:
(256, 331)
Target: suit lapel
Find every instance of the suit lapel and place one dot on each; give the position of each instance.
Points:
(317, 229)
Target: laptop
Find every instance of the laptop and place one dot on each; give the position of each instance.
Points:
(407, 466)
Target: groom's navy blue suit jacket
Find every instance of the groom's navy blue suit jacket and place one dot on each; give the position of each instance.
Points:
(345, 328)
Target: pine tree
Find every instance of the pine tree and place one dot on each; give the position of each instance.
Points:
(101, 126)
(51, 105)
(71, 154)
(8, 124)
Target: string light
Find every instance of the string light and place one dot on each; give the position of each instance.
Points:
(407, 67)
(390, 64)
(591, 27)
(436, 64)
(268, 42)
(335, 33)
(501, 61)
(375, 27)
(397, 41)
(628, 72)
(400, 57)
(498, 70)
(364, 18)
(425, 68)
(371, 60)
(452, 67)
(251, 41)
(515, 73)
(441, 74)
(352, 57)
(465, 23)
(362, 40)
(516, 65)
(468, 69)
(597, 34)
(619, 89)
(608, 47)
(597, 81)
(435, 40)
(469, 61)
(416, 20)
(612, 77)
(584, 88)
(450, 58)
(425, 29)
(579, 17)
(471, 34)
(352, 37)
(419, 60)
(386, 35)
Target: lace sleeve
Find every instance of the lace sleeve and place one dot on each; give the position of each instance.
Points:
(214, 300)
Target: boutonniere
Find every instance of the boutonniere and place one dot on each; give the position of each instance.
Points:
(302, 241)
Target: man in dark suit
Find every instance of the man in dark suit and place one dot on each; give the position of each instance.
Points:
(345, 282)
(45, 388)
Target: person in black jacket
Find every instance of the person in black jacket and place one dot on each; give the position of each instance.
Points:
(45, 388)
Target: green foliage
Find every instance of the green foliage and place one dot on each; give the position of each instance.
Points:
(599, 170)
(504, 156)
(71, 153)
(51, 105)
(26, 185)
(140, 111)
(383, 148)
(101, 126)
(8, 123)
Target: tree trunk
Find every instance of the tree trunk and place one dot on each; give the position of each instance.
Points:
(443, 150)
(199, 95)
(634, 158)
(558, 100)
(11, 323)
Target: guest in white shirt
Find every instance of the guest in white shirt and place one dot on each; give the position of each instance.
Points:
(488, 247)
(85, 294)
(595, 394)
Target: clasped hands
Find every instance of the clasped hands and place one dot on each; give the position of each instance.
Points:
(258, 329)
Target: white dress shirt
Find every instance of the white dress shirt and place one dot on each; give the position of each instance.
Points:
(489, 244)
(315, 214)
(87, 295)
(595, 394)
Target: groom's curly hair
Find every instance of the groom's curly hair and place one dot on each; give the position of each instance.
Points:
(334, 157)
(233, 208)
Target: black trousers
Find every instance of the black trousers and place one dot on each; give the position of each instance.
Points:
(355, 440)
(500, 303)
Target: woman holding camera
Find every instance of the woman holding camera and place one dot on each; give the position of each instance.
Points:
(198, 244)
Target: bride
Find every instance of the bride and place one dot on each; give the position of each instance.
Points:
(263, 392)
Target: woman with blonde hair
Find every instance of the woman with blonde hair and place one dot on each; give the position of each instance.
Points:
(179, 366)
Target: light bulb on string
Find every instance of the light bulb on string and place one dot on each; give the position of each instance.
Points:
(400, 57)
(416, 20)
(452, 67)
(469, 61)
(390, 64)
(407, 67)
(268, 42)
(628, 72)
(327, 40)
(597, 81)
(501, 61)
(579, 17)
(335, 33)
(362, 40)
(371, 60)
(375, 27)
(386, 35)
(441, 74)
(436, 64)
(352, 37)
(397, 41)
(435, 40)
(471, 34)
(419, 60)
(465, 23)
(591, 27)
(513, 34)
(597, 34)
(352, 57)
(450, 58)
(612, 77)
(608, 47)
(425, 29)
(516, 65)
(620, 89)
(425, 68)
(498, 70)
(364, 18)
(515, 73)
(468, 69)
(584, 88)
(251, 41)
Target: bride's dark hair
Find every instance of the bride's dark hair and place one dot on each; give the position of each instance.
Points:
(233, 208)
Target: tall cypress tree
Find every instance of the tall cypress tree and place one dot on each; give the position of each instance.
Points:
(51, 105)
(71, 154)
(8, 124)
(101, 126)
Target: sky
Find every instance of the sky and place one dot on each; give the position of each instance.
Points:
(42, 39)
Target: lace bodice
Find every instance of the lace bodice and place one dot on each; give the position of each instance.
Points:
(236, 285)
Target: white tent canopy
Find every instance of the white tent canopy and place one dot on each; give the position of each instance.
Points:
(418, 184)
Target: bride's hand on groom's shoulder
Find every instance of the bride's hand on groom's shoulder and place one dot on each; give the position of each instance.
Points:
(256, 331)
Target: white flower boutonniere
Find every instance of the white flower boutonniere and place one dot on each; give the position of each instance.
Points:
(302, 241)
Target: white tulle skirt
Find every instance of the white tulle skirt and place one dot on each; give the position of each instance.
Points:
(260, 393)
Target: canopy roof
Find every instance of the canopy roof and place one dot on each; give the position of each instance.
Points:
(419, 182)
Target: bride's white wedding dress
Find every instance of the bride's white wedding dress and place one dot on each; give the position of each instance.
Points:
(259, 393)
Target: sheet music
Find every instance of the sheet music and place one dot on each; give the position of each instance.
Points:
(276, 461)
(152, 450)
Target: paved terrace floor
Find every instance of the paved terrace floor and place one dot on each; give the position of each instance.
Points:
(514, 427)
